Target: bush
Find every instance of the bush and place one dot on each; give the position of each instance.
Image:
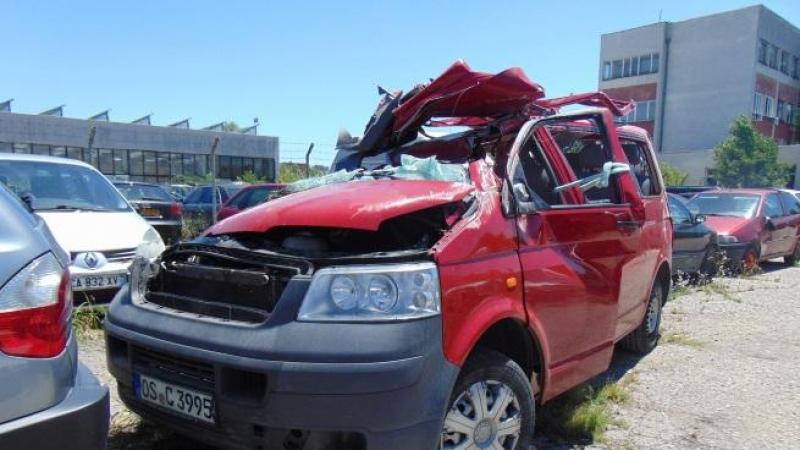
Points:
(672, 176)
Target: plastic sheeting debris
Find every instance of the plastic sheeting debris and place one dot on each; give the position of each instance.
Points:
(410, 168)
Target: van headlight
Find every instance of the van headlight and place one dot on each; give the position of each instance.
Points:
(372, 293)
(142, 271)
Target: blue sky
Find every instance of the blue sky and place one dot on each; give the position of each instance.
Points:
(305, 69)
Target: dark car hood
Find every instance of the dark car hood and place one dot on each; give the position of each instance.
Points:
(359, 205)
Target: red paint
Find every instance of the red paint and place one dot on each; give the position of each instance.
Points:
(755, 230)
(359, 205)
(583, 271)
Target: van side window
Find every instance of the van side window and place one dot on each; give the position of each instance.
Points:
(536, 175)
(642, 169)
(587, 152)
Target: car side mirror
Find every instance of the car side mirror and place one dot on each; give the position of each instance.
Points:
(698, 219)
(599, 180)
(771, 224)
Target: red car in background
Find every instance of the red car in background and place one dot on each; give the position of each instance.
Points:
(752, 225)
(247, 198)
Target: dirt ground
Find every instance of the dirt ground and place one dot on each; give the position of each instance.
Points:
(725, 376)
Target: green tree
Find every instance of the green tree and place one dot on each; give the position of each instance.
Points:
(672, 176)
(230, 126)
(748, 159)
(250, 177)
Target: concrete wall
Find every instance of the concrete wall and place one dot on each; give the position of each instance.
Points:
(695, 162)
(62, 131)
(710, 77)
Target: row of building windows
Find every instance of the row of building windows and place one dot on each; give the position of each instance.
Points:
(772, 56)
(644, 112)
(151, 166)
(630, 67)
(765, 106)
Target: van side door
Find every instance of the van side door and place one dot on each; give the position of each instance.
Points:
(575, 247)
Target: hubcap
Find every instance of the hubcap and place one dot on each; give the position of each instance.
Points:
(652, 314)
(486, 415)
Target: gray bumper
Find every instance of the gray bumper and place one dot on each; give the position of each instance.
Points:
(356, 386)
(79, 422)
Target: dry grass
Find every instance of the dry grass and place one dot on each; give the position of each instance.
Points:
(87, 318)
(680, 339)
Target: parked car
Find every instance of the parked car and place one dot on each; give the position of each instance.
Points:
(752, 225)
(179, 191)
(198, 202)
(694, 245)
(426, 302)
(688, 192)
(88, 216)
(48, 399)
(247, 198)
(157, 206)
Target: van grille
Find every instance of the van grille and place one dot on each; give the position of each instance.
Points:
(173, 367)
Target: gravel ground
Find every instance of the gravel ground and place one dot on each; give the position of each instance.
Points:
(725, 376)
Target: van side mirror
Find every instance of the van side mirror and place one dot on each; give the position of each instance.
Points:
(599, 180)
(698, 219)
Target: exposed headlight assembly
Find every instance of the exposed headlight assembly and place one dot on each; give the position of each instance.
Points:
(372, 293)
(726, 239)
(151, 246)
(142, 270)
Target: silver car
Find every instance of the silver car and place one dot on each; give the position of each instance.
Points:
(48, 400)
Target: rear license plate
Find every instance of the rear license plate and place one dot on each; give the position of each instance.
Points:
(90, 282)
(150, 212)
(183, 401)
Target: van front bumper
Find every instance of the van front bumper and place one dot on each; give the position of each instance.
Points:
(285, 384)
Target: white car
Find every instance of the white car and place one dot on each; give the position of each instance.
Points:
(89, 218)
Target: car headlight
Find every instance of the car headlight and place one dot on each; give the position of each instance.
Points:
(372, 293)
(151, 246)
(726, 239)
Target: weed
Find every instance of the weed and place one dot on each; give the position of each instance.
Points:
(584, 413)
(193, 225)
(88, 317)
(721, 289)
(680, 339)
(679, 290)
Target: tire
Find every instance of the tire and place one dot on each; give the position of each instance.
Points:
(486, 378)
(645, 337)
(794, 258)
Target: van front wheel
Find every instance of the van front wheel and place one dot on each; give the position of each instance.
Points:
(491, 406)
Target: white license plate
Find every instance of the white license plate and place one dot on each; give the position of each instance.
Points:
(90, 282)
(184, 401)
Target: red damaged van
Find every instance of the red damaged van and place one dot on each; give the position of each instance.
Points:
(428, 293)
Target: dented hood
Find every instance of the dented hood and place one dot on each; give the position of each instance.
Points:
(460, 92)
(359, 205)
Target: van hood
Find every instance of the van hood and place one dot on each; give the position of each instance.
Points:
(82, 231)
(361, 205)
(742, 228)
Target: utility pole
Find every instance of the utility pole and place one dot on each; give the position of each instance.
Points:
(308, 160)
(213, 154)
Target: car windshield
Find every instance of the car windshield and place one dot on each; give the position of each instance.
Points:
(139, 192)
(733, 205)
(53, 186)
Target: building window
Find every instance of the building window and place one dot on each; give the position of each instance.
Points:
(758, 106)
(176, 164)
(120, 162)
(39, 149)
(607, 70)
(150, 165)
(224, 168)
(788, 113)
(768, 102)
(6, 147)
(654, 68)
(61, 152)
(762, 51)
(645, 63)
(772, 56)
(163, 164)
(201, 165)
(105, 161)
(90, 156)
(136, 162)
(785, 58)
(616, 69)
(75, 153)
(626, 67)
(634, 66)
